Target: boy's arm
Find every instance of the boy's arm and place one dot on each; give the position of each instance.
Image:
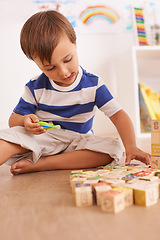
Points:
(27, 121)
(126, 131)
(16, 120)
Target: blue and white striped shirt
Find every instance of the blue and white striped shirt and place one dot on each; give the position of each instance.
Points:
(71, 107)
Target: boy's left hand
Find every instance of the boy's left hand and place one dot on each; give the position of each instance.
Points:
(137, 154)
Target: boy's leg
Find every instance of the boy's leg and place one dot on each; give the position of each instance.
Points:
(71, 160)
(8, 149)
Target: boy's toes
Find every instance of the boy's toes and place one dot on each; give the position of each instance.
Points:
(15, 171)
(16, 168)
(22, 166)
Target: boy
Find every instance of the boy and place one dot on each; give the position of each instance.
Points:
(68, 96)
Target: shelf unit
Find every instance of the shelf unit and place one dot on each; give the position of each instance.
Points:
(146, 69)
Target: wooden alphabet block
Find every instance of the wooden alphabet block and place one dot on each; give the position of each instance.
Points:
(128, 194)
(155, 149)
(159, 187)
(76, 174)
(149, 178)
(130, 177)
(114, 182)
(146, 196)
(155, 125)
(157, 173)
(155, 137)
(75, 181)
(99, 188)
(155, 162)
(91, 182)
(112, 202)
(83, 195)
(77, 171)
(155, 143)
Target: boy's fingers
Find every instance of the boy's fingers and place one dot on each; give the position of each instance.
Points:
(34, 118)
(143, 158)
(128, 160)
(147, 160)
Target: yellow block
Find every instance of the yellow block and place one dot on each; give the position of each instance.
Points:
(155, 149)
(147, 196)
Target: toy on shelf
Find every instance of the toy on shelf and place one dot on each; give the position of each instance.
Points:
(47, 125)
(149, 101)
(140, 27)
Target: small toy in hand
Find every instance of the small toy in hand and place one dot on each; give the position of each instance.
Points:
(47, 125)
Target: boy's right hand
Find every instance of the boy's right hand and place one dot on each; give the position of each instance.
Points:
(31, 124)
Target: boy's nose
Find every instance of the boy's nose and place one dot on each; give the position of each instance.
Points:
(63, 72)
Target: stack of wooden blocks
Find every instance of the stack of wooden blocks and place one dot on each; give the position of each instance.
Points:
(113, 188)
(155, 144)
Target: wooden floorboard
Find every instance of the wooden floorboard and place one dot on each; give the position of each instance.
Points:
(40, 206)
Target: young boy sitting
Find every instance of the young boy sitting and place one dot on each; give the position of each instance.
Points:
(67, 95)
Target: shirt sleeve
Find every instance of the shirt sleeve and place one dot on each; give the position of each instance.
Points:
(27, 103)
(105, 101)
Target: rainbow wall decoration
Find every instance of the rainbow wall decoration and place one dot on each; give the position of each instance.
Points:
(103, 12)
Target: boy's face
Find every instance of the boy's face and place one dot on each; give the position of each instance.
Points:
(63, 69)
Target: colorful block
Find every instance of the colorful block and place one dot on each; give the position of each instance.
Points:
(128, 194)
(83, 195)
(112, 202)
(99, 188)
(75, 181)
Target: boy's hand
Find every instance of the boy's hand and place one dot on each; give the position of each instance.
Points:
(31, 124)
(137, 154)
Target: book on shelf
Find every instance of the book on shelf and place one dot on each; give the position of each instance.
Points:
(149, 104)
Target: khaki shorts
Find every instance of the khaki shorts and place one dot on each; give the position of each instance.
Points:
(56, 141)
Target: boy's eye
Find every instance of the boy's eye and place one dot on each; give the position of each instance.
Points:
(65, 61)
(68, 60)
(50, 69)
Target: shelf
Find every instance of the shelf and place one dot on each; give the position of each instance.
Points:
(146, 48)
(146, 69)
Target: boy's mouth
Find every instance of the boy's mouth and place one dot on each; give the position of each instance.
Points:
(70, 77)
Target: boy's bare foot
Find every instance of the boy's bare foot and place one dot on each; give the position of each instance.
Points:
(22, 166)
(71, 160)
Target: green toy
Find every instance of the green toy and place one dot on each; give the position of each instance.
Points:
(47, 125)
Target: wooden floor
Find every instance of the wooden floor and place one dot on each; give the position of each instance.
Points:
(40, 206)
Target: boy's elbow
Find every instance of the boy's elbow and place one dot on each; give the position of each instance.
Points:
(116, 116)
(10, 121)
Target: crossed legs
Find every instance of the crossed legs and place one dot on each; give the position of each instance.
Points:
(8, 149)
(71, 160)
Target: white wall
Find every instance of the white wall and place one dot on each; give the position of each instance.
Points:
(102, 54)
(15, 68)
(99, 54)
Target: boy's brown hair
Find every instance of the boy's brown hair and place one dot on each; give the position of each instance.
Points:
(42, 32)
